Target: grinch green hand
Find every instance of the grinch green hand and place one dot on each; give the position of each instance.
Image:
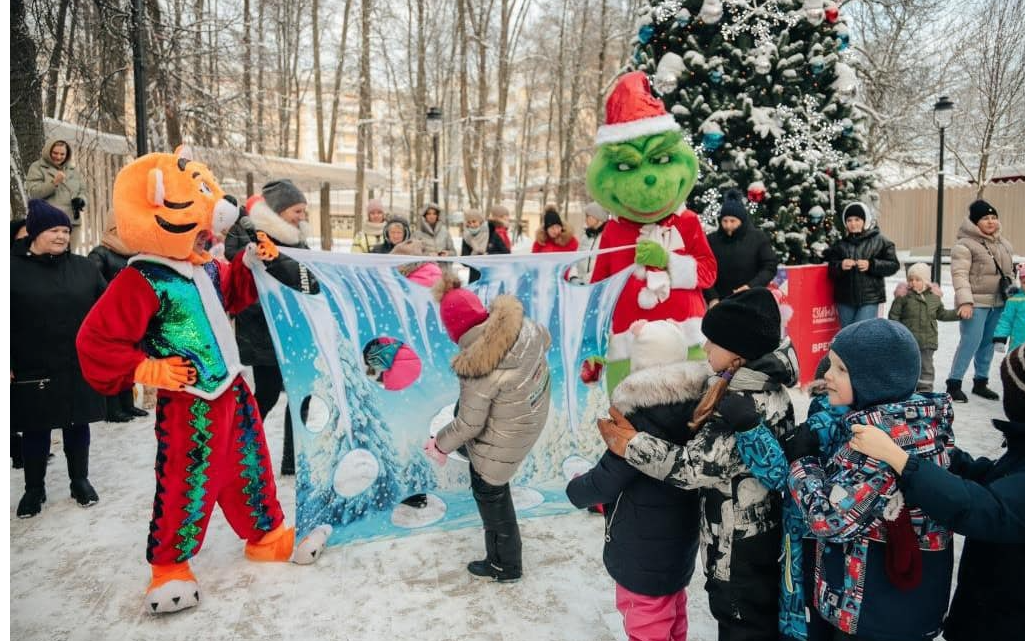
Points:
(651, 254)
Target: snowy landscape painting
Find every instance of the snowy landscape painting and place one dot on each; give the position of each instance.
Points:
(359, 451)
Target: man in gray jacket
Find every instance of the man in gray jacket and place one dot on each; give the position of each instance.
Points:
(504, 394)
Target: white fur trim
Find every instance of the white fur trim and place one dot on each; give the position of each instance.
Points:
(265, 220)
(183, 267)
(893, 506)
(655, 291)
(673, 383)
(621, 344)
(683, 271)
(172, 597)
(312, 545)
(640, 272)
(621, 132)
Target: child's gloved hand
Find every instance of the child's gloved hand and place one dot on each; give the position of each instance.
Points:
(432, 451)
(266, 250)
(739, 412)
(172, 373)
(799, 442)
(591, 369)
(651, 254)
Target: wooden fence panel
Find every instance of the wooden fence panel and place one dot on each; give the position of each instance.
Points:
(908, 216)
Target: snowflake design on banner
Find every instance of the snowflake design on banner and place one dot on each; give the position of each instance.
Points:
(667, 10)
(758, 20)
(809, 135)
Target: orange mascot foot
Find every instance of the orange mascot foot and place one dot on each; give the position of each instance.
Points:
(276, 545)
(172, 588)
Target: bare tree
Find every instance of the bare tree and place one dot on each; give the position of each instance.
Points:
(26, 107)
(993, 62)
(363, 124)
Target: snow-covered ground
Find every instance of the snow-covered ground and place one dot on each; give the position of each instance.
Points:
(79, 574)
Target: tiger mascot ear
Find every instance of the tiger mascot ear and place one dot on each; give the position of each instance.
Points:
(155, 187)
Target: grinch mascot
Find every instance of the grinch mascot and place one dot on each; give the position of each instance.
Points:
(642, 173)
(163, 321)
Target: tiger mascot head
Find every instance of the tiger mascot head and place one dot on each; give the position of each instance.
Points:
(164, 202)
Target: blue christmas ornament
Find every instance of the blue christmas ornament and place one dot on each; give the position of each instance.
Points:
(715, 77)
(816, 214)
(683, 21)
(645, 34)
(712, 140)
(817, 68)
(845, 41)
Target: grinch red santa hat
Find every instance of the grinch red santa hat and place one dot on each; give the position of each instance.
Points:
(631, 111)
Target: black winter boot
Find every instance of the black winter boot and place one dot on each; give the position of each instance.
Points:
(501, 532)
(78, 469)
(35, 489)
(128, 405)
(980, 388)
(16, 460)
(114, 412)
(954, 389)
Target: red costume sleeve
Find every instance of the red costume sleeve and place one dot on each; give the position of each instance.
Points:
(237, 285)
(108, 341)
(572, 245)
(696, 245)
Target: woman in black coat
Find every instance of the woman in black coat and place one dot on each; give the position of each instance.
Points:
(110, 257)
(858, 266)
(52, 290)
(744, 253)
(983, 500)
(282, 216)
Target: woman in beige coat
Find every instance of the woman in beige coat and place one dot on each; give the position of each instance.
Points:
(977, 261)
(53, 178)
(504, 393)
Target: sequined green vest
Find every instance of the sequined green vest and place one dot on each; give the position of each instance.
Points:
(181, 326)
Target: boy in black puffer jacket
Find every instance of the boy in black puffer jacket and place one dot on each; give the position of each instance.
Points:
(651, 528)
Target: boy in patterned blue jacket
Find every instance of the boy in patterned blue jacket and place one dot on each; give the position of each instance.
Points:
(882, 569)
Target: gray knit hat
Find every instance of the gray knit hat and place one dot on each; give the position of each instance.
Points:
(596, 211)
(282, 194)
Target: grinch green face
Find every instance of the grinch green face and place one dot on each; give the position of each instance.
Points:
(644, 179)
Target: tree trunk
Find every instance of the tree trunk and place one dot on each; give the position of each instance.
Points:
(363, 123)
(26, 107)
(260, 88)
(339, 71)
(53, 68)
(247, 74)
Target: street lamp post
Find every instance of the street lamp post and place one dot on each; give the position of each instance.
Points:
(943, 115)
(434, 129)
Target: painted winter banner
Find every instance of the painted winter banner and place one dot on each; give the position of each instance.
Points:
(358, 453)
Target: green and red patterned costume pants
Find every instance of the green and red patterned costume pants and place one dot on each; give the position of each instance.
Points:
(209, 452)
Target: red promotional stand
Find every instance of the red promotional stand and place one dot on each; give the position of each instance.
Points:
(809, 292)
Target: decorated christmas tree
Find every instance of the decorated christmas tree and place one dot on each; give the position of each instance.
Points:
(761, 88)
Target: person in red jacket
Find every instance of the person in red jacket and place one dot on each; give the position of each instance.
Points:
(555, 236)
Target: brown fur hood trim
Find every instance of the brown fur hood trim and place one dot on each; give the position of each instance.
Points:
(482, 348)
(449, 280)
(662, 385)
(564, 238)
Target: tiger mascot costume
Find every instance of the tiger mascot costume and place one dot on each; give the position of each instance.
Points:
(163, 321)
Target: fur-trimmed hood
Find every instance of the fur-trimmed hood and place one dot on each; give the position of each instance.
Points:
(494, 344)
(564, 238)
(266, 220)
(662, 385)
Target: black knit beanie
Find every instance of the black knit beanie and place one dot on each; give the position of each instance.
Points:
(733, 205)
(552, 218)
(855, 210)
(282, 194)
(980, 208)
(748, 324)
(882, 360)
(42, 216)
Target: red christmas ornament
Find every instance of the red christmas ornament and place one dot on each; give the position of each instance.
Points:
(832, 14)
(756, 192)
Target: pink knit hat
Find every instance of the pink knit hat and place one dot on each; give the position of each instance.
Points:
(461, 310)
